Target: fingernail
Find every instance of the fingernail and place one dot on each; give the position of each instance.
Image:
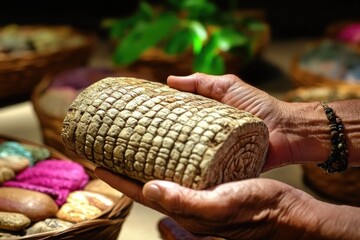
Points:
(152, 192)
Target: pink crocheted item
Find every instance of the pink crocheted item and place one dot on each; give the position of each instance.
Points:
(59, 195)
(57, 178)
(350, 33)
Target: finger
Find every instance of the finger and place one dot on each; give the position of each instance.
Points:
(182, 83)
(184, 201)
(210, 86)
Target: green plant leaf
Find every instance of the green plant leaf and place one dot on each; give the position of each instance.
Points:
(228, 38)
(143, 36)
(208, 60)
(210, 64)
(198, 9)
(119, 27)
(180, 41)
(199, 35)
(145, 9)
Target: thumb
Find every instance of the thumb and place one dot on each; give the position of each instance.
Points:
(211, 86)
(171, 196)
(181, 200)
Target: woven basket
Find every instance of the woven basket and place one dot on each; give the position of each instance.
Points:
(106, 226)
(341, 187)
(303, 78)
(19, 75)
(50, 125)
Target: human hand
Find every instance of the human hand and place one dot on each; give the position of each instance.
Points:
(230, 90)
(248, 209)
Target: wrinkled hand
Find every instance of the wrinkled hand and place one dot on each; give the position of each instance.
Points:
(248, 209)
(230, 90)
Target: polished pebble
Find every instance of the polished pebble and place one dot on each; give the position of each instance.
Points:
(15, 162)
(10, 148)
(6, 174)
(74, 212)
(13, 221)
(50, 224)
(90, 198)
(38, 153)
(35, 205)
(99, 186)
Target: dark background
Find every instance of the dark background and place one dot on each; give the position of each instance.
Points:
(288, 19)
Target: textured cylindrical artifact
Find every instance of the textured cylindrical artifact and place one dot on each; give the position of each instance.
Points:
(147, 130)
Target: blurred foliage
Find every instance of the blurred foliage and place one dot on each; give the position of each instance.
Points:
(198, 26)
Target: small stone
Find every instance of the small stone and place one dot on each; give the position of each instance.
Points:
(15, 162)
(74, 212)
(99, 186)
(38, 153)
(49, 224)
(6, 174)
(13, 221)
(90, 198)
(35, 205)
(10, 148)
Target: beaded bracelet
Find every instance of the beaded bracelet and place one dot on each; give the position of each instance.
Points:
(337, 161)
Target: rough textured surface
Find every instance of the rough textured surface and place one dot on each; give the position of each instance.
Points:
(146, 130)
(13, 221)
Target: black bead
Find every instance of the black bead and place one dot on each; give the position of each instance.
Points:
(337, 160)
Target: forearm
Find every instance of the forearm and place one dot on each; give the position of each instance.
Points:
(308, 130)
(313, 219)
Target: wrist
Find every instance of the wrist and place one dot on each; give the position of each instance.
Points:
(307, 131)
(308, 218)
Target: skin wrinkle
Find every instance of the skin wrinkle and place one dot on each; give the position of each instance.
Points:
(211, 89)
(289, 129)
(257, 218)
(247, 95)
(288, 204)
(251, 197)
(176, 205)
(232, 215)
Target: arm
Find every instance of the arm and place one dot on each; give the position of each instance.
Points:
(299, 132)
(249, 209)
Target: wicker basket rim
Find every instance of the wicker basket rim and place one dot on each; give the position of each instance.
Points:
(89, 40)
(311, 45)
